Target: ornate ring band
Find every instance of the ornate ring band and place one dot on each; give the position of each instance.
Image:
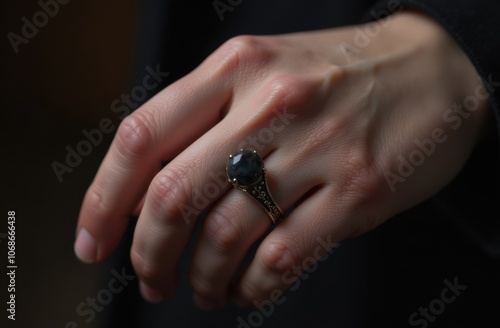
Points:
(245, 170)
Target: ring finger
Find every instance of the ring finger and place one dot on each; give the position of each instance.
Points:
(236, 222)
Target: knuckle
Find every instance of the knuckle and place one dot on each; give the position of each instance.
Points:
(278, 257)
(222, 231)
(144, 269)
(281, 88)
(169, 189)
(94, 204)
(286, 83)
(292, 92)
(245, 51)
(134, 135)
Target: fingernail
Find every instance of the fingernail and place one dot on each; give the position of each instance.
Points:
(202, 303)
(85, 247)
(149, 294)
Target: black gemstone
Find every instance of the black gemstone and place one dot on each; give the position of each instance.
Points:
(246, 167)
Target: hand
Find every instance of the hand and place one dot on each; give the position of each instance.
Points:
(349, 139)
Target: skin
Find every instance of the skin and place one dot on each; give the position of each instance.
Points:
(349, 119)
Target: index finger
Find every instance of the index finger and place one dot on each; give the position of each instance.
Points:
(157, 131)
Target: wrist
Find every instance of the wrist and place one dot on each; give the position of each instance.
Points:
(419, 34)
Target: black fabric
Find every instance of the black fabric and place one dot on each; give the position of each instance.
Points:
(380, 278)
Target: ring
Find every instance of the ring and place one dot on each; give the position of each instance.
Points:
(245, 170)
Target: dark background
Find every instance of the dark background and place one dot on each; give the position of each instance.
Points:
(61, 82)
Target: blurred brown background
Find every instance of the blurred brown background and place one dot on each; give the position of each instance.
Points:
(62, 81)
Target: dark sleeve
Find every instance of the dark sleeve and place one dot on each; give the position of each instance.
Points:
(474, 24)
(470, 201)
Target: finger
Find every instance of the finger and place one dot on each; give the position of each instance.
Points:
(159, 130)
(174, 201)
(152, 134)
(175, 197)
(292, 248)
(236, 222)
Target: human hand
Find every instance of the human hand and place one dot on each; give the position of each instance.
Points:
(331, 132)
